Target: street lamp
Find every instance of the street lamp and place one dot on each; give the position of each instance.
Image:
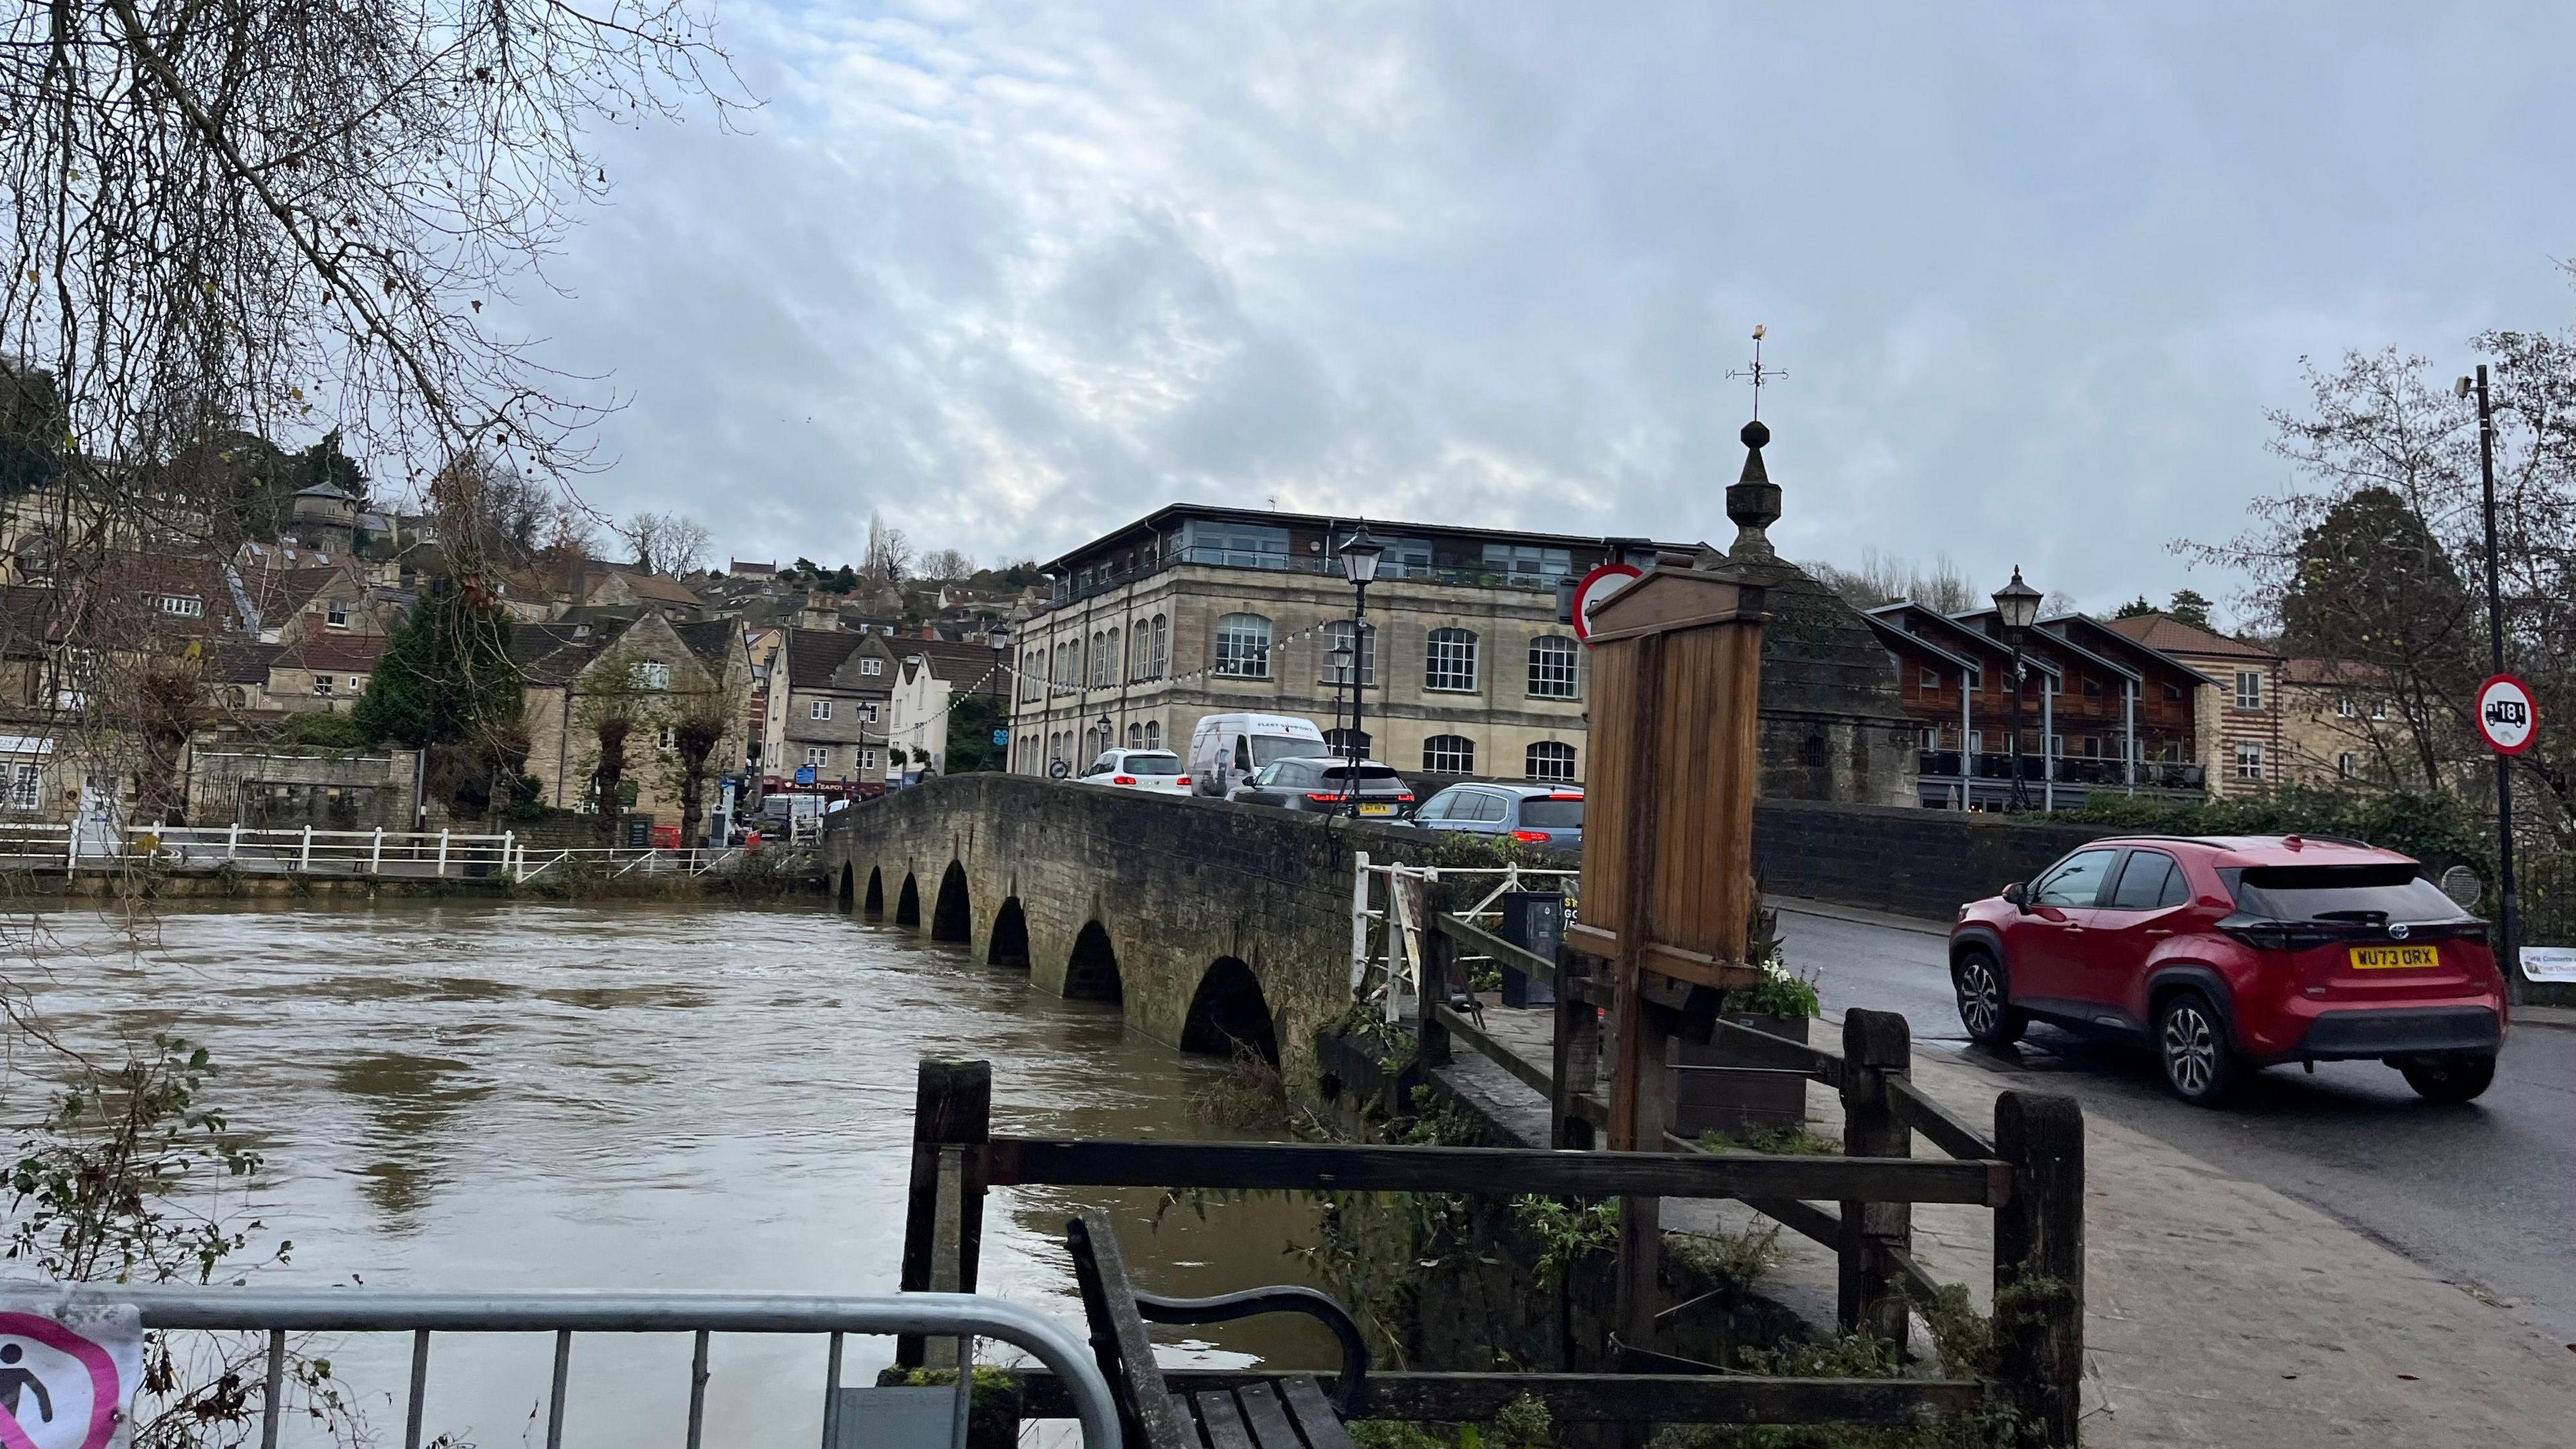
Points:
(1341, 657)
(2017, 606)
(1360, 554)
(998, 634)
(1106, 742)
(2505, 892)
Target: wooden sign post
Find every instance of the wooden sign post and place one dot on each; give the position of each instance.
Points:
(1668, 846)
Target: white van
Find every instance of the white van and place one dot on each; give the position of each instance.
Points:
(1226, 747)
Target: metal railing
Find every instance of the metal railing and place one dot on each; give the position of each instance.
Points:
(619, 861)
(280, 1311)
(408, 854)
(1217, 556)
(2071, 770)
(1387, 942)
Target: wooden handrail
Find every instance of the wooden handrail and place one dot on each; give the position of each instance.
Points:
(1488, 1171)
(1476, 938)
(1530, 1074)
(1768, 1050)
(1944, 1128)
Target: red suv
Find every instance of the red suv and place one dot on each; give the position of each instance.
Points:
(2231, 954)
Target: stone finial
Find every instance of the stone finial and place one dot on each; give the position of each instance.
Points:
(1753, 500)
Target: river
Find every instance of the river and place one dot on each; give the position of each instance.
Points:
(636, 1096)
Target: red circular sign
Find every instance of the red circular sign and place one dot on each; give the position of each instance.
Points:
(2506, 717)
(1596, 589)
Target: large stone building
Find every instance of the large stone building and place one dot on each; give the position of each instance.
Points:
(1197, 610)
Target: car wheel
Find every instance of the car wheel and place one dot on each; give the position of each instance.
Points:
(1985, 1002)
(2449, 1079)
(2191, 1041)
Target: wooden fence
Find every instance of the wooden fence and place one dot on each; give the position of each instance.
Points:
(2032, 1177)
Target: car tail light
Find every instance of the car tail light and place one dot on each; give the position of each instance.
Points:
(1122, 779)
(1182, 780)
(1405, 798)
(1534, 837)
(1326, 797)
(1561, 797)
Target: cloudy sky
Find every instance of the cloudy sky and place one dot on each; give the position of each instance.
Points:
(1015, 273)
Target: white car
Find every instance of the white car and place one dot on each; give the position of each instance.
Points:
(1156, 771)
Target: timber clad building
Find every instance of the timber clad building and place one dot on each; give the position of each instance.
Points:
(1194, 611)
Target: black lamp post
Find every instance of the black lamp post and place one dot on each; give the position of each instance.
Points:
(1106, 742)
(2017, 606)
(998, 634)
(2505, 892)
(1342, 658)
(1360, 554)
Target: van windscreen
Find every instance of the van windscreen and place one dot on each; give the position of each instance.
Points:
(1269, 749)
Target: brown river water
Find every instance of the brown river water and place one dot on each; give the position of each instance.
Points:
(630, 1096)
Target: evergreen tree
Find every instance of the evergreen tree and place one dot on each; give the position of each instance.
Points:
(2190, 606)
(446, 678)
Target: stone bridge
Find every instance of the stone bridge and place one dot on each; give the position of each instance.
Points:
(1209, 923)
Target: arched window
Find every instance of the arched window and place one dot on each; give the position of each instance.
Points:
(1162, 657)
(1452, 661)
(1153, 734)
(1099, 673)
(1551, 763)
(1056, 666)
(1113, 664)
(1337, 635)
(1449, 755)
(1339, 741)
(1135, 737)
(1552, 663)
(1815, 751)
(1243, 647)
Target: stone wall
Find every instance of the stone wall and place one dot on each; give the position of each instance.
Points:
(286, 790)
(1109, 892)
(1910, 861)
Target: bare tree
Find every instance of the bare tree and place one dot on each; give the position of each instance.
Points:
(1886, 579)
(666, 543)
(948, 566)
(889, 555)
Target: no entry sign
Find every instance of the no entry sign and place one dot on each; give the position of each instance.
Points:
(2507, 719)
(67, 1375)
(1595, 590)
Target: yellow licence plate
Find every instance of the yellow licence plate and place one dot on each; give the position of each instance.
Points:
(1377, 810)
(2395, 958)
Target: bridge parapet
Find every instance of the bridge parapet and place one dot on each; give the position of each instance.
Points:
(1210, 923)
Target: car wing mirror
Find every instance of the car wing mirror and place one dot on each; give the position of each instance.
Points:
(2019, 895)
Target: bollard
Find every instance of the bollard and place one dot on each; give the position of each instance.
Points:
(304, 858)
(232, 842)
(442, 854)
(376, 853)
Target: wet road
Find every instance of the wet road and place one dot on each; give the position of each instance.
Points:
(532, 1096)
(2484, 1194)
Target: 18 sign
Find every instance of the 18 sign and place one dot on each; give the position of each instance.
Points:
(2505, 715)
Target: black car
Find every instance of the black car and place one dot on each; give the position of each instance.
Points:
(1325, 785)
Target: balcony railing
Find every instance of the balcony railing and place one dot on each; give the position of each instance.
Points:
(1472, 577)
(2152, 774)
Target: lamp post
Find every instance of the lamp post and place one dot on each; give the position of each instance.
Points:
(1359, 554)
(998, 634)
(1342, 658)
(2017, 607)
(2495, 647)
(1106, 742)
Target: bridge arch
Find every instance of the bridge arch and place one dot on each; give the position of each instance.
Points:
(907, 904)
(1010, 940)
(848, 896)
(1092, 974)
(1228, 1012)
(950, 917)
(873, 904)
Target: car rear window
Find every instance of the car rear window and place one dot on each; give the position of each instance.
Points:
(1545, 814)
(1153, 764)
(2340, 893)
(1369, 774)
(1267, 749)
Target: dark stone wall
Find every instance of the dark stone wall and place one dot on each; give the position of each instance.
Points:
(1910, 861)
(1176, 885)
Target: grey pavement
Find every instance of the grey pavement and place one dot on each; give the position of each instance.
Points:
(2481, 1196)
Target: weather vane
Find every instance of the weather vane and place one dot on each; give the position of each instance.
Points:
(1757, 372)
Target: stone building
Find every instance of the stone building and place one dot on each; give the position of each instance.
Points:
(1197, 610)
(2239, 719)
(828, 694)
(650, 672)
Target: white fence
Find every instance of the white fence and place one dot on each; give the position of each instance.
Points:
(392, 854)
(1391, 909)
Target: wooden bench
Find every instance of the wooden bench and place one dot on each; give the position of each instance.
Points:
(1289, 1411)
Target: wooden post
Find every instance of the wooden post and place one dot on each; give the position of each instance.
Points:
(1870, 1293)
(1430, 1037)
(2039, 1263)
(952, 1119)
(1576, 1064)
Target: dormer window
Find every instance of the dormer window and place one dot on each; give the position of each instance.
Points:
(336, 615)
(872, 667)
(186, 606)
